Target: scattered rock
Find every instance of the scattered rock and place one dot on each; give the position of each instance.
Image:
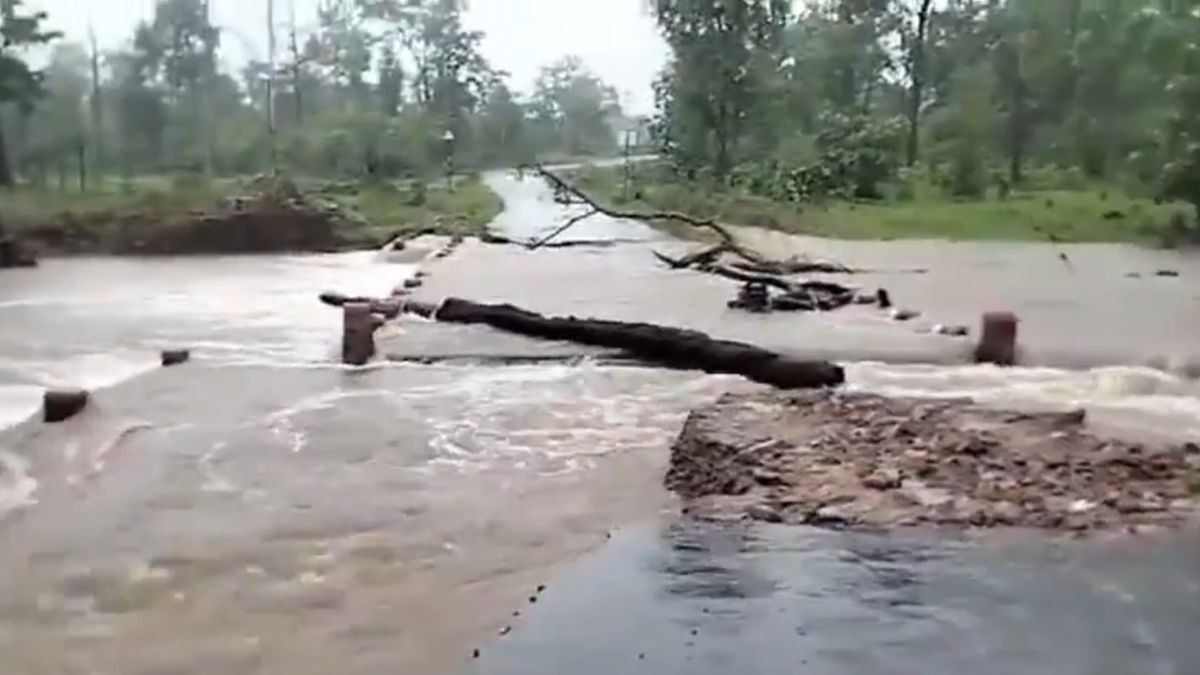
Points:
(952, 331)
(904, 314)
(1133, 275)
(1166, 273)
(882, 479)
(59, 406)
(413, 283)
(475, 654)
(505, 631)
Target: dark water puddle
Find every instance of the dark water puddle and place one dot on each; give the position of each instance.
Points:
(702, 599)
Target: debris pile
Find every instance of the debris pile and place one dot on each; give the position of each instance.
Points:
(840, 459)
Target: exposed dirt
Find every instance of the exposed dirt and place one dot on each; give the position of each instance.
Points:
(839, 459)
(263, 221)
(13, 254)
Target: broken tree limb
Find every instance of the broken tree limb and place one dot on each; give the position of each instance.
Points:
(661, 345)
(566, 226)
(576, 196)
(794, 266)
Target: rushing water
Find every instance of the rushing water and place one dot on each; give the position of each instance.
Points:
(262, 510)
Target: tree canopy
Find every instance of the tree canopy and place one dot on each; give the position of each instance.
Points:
(798, 100)
(372, 88)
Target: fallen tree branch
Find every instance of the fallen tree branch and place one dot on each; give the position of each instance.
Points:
(702, 257)
(566, 226)
(567, 193)
(575, 195)
(794, 266)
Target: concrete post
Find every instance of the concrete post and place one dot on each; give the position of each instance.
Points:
(358, 333)
(998, 340)
(59, 406)
(174, 357)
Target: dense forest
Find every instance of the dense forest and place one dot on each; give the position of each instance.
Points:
(372, 88)
(870, 99)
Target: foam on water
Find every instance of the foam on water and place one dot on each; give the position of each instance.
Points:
(17, 487)
(17, 403)
(94, 323)
(1142, 399)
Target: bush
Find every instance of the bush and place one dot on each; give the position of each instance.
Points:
(968, 176)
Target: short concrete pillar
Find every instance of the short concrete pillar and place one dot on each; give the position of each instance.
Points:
(62, 405)
(998, 339)
(358, 333)
(174, 357)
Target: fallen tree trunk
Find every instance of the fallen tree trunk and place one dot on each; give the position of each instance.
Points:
(671, 347)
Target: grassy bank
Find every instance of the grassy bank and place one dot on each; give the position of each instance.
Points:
(406, 208)
(363, 213)
(1093, 215)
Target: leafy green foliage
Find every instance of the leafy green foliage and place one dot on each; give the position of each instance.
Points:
(372, 93)
(993, 93)
(1181, 176)
(575, 107)
(20, 85)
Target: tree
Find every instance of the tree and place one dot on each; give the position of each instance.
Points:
(916, 70)
(576, 107)
(60, 130)
(503, 132)
(20, 85)
(710, 78)
(1181, 176)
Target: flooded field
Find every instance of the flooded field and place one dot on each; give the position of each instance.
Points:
(260, 510)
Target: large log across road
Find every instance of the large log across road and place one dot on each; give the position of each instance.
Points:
(661, 345)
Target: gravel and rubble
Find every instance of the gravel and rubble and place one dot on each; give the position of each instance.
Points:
(840, 459)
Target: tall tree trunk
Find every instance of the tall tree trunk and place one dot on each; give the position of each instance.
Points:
(96, 105)
(1016, 130)
(722, 132)
(918, 83)
(6, 175)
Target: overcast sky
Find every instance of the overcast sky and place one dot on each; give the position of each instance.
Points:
(615, 38)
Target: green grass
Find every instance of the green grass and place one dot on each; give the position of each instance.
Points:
(407, 208)
(30, 206)
(1068, 215)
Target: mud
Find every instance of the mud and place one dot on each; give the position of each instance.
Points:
(13, 254)
(255, 224)
(840, 459)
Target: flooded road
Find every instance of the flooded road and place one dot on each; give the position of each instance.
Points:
(260, 510)
(702, 599)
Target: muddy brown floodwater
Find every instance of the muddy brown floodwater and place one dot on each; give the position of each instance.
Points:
(260, 510)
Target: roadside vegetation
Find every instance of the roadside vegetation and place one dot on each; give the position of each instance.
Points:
(369, 108)
(364, 213)
(1051, 211)
(969, 119)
